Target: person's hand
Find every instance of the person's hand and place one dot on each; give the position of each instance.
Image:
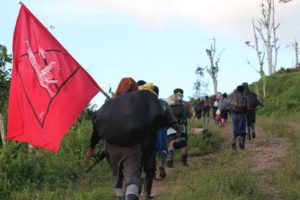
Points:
(88, 155)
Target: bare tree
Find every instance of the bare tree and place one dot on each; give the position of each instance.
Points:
(266, 28)
(260, 57)
(296, 49)
(213, 69)
(200, 86)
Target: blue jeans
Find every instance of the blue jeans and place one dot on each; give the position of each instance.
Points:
(161, 140)
(239, 126)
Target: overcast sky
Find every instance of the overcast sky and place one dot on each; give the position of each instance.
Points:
(160, 41)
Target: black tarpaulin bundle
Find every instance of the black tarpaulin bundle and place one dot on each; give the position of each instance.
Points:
(124, 120)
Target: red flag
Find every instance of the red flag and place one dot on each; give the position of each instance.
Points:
(48, 87)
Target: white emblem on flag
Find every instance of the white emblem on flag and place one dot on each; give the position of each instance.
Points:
(44, 75)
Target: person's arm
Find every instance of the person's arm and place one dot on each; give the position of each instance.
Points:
(94, 140)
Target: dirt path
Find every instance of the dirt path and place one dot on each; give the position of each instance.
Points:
(262, 155)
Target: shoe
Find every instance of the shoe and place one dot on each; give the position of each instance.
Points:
(162, 172)
(253, 135)
(242, 142)
(131, 197)
(185, 164)
(249, 136)
(233, 146)
(170, 163)
(149, 197)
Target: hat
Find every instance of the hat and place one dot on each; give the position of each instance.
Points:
(141, 82)
(178, 90)
(240, 88)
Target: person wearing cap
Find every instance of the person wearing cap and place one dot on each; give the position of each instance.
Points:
(182, 112)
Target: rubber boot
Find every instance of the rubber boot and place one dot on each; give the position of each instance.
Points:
(242, 142)
(162, 172)
(184, 160)
(148, 187)
(248, 133)
(131, 197)
(170, 162)
(161, 168)
(233, 143)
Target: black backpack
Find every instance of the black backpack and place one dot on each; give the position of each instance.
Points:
(252, 100)
(238, 102)
(123, 121)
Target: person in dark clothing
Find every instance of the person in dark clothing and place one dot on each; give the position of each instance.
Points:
(206, 110)
(124, 161)
(198, 108)
(148, 161)
(251, 110)
(161, 138)
(239, 107)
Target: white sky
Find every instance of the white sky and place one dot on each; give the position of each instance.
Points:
(160, 41)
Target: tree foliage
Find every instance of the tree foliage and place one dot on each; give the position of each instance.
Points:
(5, 58)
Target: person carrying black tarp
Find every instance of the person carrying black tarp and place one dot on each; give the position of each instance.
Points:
(123, 122)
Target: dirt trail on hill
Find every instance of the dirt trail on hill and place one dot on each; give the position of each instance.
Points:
(262, 155)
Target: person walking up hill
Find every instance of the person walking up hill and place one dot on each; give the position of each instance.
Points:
(182, 112)
(238, 105)
(252, 102)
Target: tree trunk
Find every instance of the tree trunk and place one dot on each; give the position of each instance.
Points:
(2, 129)
(215, 85)
(264, 86)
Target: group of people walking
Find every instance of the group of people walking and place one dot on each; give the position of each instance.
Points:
(140, 128)
(240, 105)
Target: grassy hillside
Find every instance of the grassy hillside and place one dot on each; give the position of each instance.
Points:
(282, 94)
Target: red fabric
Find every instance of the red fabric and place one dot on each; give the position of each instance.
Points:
(48, 88)
(126, 84)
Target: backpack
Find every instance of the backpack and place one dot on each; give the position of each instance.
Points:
(238, 102)
(179, 110)
(252, 100)
(223, 104)
(123, 121)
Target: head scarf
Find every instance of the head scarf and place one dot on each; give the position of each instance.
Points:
(126, 84)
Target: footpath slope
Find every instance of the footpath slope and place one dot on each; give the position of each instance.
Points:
(261, 156)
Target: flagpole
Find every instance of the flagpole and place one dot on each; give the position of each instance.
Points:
(105, 94)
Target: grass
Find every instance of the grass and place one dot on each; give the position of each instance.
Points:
(287, 177)
(224, 179)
